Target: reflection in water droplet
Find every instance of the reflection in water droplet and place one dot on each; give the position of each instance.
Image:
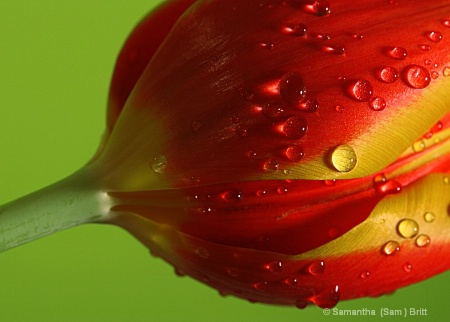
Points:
(390, 247)
(294, 127)
(292, 87)
(407, 228)
(416, 76)
(316, 268)
(377, 104)
(361, 90)
(388, 74)
(397, 53)
(343, 158)
(294, 153)
(434, 36)
(159, 163)
(429, 217)
(422, 240)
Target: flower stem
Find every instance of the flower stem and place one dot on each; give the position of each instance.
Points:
(70, 202)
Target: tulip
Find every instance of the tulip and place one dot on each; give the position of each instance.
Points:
(287, 152)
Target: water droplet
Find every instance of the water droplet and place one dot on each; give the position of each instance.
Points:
(294, 153)
(425, 47)
(267, 45)
(297, 30)
(274, 267)
(407, 228)
(251, 154)
(261, 192)
(388, 74)
(242, 130)
(334, 49)
(292, 87)
(232, 271)
(294, 127)
(260, 286)
(429, 217)
(357, 36)
(446, 180)
(446, 23)
(361, 90)
(419, 146)
(390, 247)
(446, 71)
(309, 105)
(377, 104)
(339, 108)
(407, 268)
(343, 158)
(388, 187)
(159, 163)
(321, 36)
(397, 53)
(202, 253)
(232, 195)
(321, 8)
(282, 190)
(427, 62)
(434, 36)
(434, 75)
(327, 298)
(416, 76)
(316, 268)
(330, 183)
(273, 110)
(195, 126)
(271, 165)
(422, 240)
(364, 275)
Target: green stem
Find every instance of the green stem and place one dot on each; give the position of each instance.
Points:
(64, 204)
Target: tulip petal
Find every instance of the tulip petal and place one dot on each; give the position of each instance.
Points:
(214, 104)
(404, 240)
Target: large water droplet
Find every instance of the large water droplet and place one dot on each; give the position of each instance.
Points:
(159, 163)
(429, 217)
(377, 104)
(397, 52)
(316, 268)
(327, 298)
(294, 153)
(390, 247)
(434, 36)
(388, 74)
(416, 76)
(294, 127)
(361, 90)
(422, 240)
(407, 228)
(343, 158)
(321, 8)
(292, 87)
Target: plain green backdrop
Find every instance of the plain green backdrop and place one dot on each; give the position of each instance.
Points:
(56, 60)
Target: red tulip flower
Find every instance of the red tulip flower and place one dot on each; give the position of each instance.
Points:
(287, 152)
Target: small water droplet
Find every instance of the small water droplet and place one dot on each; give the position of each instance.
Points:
(261, 192)
(232, 195)
(321, 36)
(294, 127)
(235, 119)
(327, 298)
(343, 158)
(407, 268)
(446, 71)
(339, 108)
(357, 36)
(294, 153)
(271, 165)
(397, 52)
(232, 271)
(321, 8)
(434, 75)
(292, 87)
(407, 228)
(274, 267)
(388, 74)
(202, 253)
(427, 62)
(416, 76)
(330, 183)
(434, 36)
(425, 47)
(267, 45)
(282, 190)
(364, 275)
(446, 23)
(159, 163)
(334, 49)
(251, 154)
(316, 268)
(242, 130)
(260, 286)
(390, 247)
(361, 90)
(422, 240)
(388, 187)
(273, 110)
(419, 146)
(309, 105)
(297, 30)
(195, 126)
(429, 217)
(377, 104)
(446, 180)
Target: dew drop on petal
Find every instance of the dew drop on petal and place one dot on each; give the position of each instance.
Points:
(292, 87)
(446, 71)
(294, 127)
(316, 268)
(429, 217)
(330, 183)
(397, 53)
(202, 253)
(260, 286)
(446, 23)
(271, 165)
(321, 7)
(390, 247)
(297, 30)
(334, 49)
(416, 76)
(232, 271)
(339, 108)
(343, 158)
(361, 90)
(419, 146)
(364, 275)
(274, 267)
(357, 36)
(377, 104)
(242, 130)
(388, 187)
(388, 74)
(309, 105)
(232, 195)
(273, 110)
(407, 268)
(407, 228)
(294, 153)
(422, 240)
(158, 163)
(434, 75)
(327, 298)
(434, 36)
(425, 47)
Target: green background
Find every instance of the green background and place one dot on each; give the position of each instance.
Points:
(56, 60)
